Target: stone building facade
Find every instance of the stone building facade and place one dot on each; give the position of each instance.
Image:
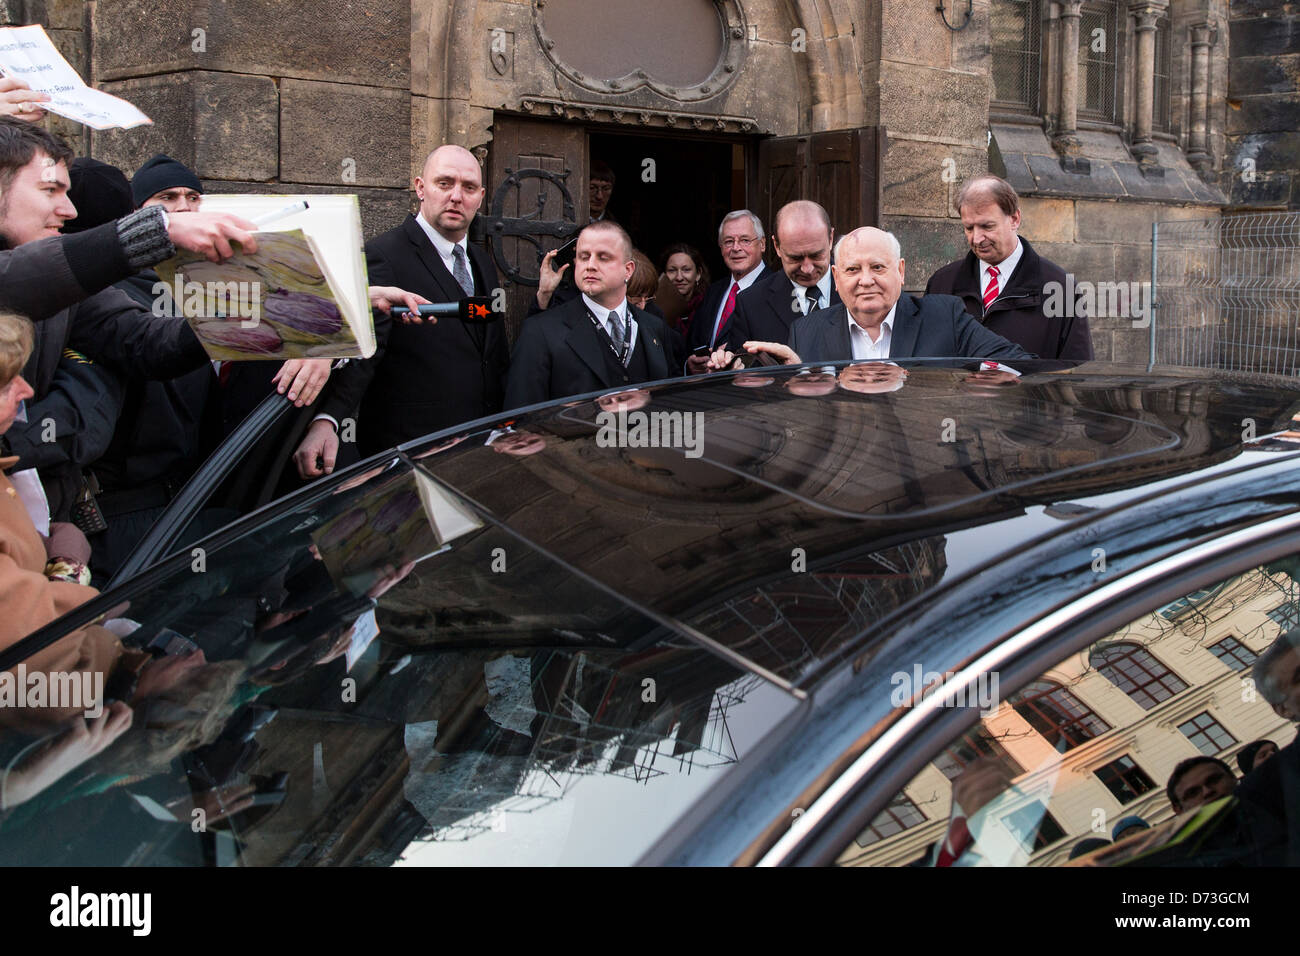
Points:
(1107, 115)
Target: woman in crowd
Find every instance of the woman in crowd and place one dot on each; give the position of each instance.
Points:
(641, 289)
(643, 285)
(685, 269)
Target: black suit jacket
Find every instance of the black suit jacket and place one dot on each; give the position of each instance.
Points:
(765, 311)
(425, 377)
(701, 328)
(936, 326)
(559, 353)
(1019, 312)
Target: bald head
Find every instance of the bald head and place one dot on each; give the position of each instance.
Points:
(868, 274)
(450, 190)
(870, 235)
(448, 152)
(802, 237)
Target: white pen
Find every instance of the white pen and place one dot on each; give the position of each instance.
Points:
(279, 214)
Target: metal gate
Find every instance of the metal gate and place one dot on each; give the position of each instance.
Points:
(1227, 293)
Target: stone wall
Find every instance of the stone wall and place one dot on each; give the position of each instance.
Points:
(1104, 241)
(935, 86)
(259, 96)
(1263, 142)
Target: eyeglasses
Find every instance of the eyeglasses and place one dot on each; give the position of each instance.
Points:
(733, 242)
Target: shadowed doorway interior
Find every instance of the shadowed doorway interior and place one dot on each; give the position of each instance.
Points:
(672, 189)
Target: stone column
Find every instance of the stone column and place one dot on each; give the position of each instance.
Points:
(1203, 37)
(1066, 141)
(1050, 44)
(1145, 14)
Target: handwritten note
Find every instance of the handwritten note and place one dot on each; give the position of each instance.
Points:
(28, 54)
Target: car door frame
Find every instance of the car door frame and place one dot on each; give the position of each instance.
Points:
(856, 796)
(203, 484)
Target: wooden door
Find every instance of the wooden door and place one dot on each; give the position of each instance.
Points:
(530, 202)
(839, 169)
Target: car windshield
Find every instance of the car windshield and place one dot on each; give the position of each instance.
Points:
(543, 639)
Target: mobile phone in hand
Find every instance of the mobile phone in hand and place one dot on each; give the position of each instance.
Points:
(565, 254)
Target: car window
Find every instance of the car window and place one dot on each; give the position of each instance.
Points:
(1133, 752)
(375, 673)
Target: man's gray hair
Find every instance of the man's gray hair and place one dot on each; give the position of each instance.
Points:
(740, 214)
(1286, 643)
(895, 248)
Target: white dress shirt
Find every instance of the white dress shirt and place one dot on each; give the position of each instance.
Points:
(445, 247)
(823, 290)
(602, 314)
(1005, 269)
(860, 338)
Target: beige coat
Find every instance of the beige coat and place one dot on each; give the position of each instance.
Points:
(29, 600)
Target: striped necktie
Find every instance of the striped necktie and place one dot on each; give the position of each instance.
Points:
(991, 292)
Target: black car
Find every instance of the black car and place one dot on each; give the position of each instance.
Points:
(777, 616)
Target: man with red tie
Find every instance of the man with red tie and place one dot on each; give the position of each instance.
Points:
(741, 239)
(1005, 283)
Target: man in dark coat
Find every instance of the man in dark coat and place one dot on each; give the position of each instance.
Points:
(802, 236)
(742, 242)
(426, 375)
(1012, 289)
(596, 341)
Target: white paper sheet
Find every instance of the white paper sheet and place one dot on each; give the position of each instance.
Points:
(27, 54)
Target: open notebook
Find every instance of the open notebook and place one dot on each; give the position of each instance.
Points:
(303, 294)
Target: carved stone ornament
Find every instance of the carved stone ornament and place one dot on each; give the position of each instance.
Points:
(684, 50)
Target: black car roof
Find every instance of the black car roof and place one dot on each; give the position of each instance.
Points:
(802, 518)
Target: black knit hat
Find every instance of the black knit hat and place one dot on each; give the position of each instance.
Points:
(159, 173)
(99, 191)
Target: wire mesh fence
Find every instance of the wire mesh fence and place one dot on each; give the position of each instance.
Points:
(1227, 293)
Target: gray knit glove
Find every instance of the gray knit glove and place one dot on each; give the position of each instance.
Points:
(144, 238)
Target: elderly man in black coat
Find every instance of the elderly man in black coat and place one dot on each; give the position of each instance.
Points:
(1006, 284)
(876, 321)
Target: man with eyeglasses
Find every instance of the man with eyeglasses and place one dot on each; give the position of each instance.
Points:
(600, 189)
(802, 236)
(741, 239)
